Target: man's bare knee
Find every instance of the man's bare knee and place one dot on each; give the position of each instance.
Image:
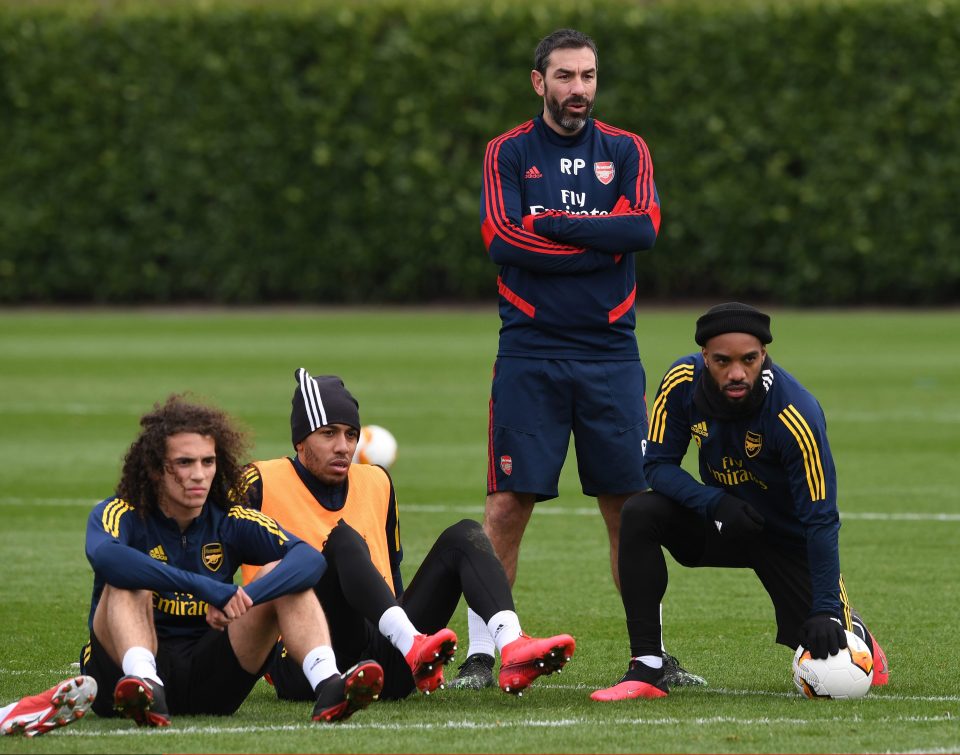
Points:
(124, 618)
(118, 604)
(610, 508)
(264, 570)
(505, 520)
(507, 513)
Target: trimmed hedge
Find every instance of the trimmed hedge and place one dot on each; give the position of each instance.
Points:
(316, 151)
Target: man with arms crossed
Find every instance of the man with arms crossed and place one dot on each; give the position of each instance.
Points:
(567, 203)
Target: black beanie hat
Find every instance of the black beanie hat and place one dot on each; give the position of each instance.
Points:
(320, 401)
(733, 317)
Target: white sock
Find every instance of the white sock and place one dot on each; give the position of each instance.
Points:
(505, 628)
(396, 626)
(653, 661)
(4, 711)
(138, 661)
(481, 641)
(319, 664)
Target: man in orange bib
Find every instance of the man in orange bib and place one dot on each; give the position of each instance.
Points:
(349, 512)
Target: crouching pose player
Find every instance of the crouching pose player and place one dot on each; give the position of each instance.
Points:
(350, 512)
(170, 632)
(768, 501)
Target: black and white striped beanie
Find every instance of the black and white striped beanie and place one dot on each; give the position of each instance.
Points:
(319, 401)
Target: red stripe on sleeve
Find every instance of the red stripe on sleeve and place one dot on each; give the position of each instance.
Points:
(488, 232)
(645, 185)
(495, 209)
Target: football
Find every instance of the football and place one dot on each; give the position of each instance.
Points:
(844, 676)
(376, 446)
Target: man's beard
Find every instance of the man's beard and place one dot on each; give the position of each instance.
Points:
(566, 121)
(719, 391)
(713, 402)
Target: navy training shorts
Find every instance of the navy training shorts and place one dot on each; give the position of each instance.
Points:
(535, 404)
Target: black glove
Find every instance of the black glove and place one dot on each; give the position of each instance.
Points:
(823, 635)
(736, 519)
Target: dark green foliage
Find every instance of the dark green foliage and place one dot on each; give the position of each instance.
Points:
(317, 151)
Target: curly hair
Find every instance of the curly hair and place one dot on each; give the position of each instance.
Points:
(144, 462)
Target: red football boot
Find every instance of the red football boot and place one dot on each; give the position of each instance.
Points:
(57, 706)
(881, 671)
(639, 681)
(427, 657)
(526, 658)
(142, 700)
(342, 695)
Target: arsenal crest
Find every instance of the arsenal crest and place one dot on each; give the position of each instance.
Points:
(212, 555)
(604, 172)
(753, 444)
(506, 464)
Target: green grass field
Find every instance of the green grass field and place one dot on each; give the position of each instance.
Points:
(75, 382)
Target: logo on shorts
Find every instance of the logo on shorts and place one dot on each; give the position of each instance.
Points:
(604, 172)
(506, 464)
(753, 444)
(212, 555)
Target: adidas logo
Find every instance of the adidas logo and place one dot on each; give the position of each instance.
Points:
(699, 429)
(158, 553)
(719, 525)
(534, 172)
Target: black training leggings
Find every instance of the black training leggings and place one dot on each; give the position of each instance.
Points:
(354, 596)
(650, 522)
(461, 561)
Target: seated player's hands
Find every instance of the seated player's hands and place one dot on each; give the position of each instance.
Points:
(216, 618)
(237, 606)
(823, 635)
(736, 519)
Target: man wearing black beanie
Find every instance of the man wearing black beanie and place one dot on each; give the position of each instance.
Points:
(767, 502)
(349, 512)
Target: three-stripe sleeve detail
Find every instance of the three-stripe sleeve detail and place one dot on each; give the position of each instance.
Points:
(496, 213)
(682, 373)
(111, 515)
(845, 605)
(268, 523)
(807, 442)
